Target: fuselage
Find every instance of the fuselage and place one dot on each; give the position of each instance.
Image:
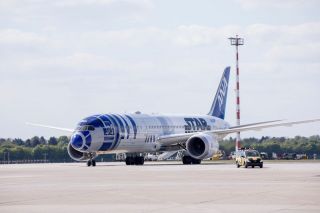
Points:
(130, 133)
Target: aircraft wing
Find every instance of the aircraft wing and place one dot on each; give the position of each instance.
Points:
(259, 127)
(181, 138)
(50, 127)
(263, 122)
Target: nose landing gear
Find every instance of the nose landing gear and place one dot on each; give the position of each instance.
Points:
(91, 162)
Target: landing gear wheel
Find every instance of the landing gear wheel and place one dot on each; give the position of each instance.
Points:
(252, 166)
(246, 165)
(141, 160)
(93, 162)
(190, 160)
(138, 160)
(195, 161)
(238, 166)
(89, 163)
(261, 165)
(186, 160)
(129, 161)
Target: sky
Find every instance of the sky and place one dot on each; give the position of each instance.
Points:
(63, 60)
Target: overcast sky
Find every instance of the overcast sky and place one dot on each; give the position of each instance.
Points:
(64, 60)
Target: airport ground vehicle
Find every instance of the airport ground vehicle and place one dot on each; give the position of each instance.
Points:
(248, 157)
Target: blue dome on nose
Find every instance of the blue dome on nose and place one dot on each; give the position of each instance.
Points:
(76, 141)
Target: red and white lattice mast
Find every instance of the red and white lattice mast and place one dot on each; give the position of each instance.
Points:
(236, 41)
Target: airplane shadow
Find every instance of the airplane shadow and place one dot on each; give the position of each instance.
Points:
(161, 164)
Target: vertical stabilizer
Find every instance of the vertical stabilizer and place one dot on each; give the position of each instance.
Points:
(218, 107)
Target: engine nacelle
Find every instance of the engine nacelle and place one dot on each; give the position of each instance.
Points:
(77, 155)
(202, 146)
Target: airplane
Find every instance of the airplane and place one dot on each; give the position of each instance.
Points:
(138, 133)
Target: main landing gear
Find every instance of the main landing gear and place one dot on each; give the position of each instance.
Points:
(136, 160)
(190, 160)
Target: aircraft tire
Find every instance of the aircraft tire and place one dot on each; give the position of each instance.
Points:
(195, 161)
(93, 162)
(186, 160)
(129, 160)
(89, 163)
(138, 160)
(142, 161)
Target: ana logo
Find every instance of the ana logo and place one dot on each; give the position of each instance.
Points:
(222, 92)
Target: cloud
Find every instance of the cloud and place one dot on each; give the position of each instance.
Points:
(97, 49)
(73, 14)
(183, 35)
(276, 42)
(72, 3)
(283, 4)
(16, 37)
(145, 4)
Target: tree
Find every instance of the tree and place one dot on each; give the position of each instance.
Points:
(63, 140)
(35, 141)
(2, 140)
(28, 143)
(55, 150)
(43, 140)
(18, 141)
(52, 141)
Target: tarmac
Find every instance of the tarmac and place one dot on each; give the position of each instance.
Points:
(289, 186)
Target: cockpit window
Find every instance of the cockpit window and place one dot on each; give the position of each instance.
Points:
(85, 128)
(90, 128)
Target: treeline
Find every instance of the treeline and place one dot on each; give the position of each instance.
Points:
(55, 149)
(36, 148)
(279, 145)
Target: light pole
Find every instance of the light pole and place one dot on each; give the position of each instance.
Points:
(8, 156)
(236, 41)
(4, 157)
(45, 157)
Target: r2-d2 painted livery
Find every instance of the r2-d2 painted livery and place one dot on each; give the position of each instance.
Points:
(119, 133)
(140, 133)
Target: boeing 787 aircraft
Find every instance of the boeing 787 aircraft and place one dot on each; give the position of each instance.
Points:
(140, 133)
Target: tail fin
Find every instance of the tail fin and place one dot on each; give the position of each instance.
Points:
(218, 107)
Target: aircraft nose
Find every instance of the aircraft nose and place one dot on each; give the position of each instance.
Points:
(76, 141)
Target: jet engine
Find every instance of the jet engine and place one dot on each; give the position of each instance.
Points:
(77, 155)
(202, 146)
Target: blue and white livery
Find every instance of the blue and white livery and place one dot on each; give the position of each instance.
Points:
(140, 133)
